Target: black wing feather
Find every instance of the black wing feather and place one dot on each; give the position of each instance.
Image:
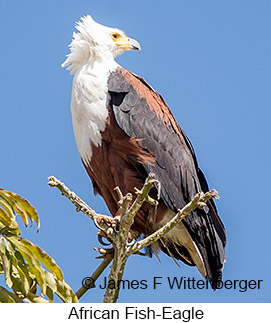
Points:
(176, 166)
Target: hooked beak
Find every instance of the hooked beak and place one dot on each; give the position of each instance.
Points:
(134, 45)
(128, 44)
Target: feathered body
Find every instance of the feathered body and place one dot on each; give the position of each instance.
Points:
(125, 130)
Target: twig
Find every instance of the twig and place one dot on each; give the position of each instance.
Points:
(81, 205)
(121, 245)
(120, 240)
(198, 201)
(90, 281)
(142, 195)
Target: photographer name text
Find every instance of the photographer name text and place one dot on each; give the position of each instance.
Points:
(181, 283)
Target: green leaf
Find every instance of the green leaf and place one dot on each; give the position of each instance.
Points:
(65, 292)
(8, 297)
(8, 212)
(21, 280)
(32, 298)
(6, 264)
(41, 255)
(24, 281)
(22, 261)
(32, 262)
(26, 277)
(6, 205)
(8, 221)
(36, 270)
(50, 294)
(10, 231)
(50, 280)
(5, 218)
(33, 288)
(21, 206)
(17, 286)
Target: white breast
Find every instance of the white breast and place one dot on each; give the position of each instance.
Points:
(88, 105)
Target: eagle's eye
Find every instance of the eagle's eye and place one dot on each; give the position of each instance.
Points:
(115, 36)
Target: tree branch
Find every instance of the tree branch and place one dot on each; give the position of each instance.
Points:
(127, 219)
(121, 243)
(123, 248)
(198, 201)
(79, 203)
(90, 282)
(82, 206)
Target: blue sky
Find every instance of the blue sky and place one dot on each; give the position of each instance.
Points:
(211, 62)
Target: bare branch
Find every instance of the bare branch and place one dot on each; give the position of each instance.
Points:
(83, 207)
(198, 201)
(90, 281)
(122, 248)
(142, 195)
(79, 204)
(121, 243)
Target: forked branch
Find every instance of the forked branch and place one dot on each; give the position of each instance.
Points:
(198, 201)
(120, 239)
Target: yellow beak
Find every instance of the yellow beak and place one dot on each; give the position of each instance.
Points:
(127, 43)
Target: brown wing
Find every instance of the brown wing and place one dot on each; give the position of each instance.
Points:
(143, 114)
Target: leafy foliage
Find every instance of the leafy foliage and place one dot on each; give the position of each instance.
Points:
(25, 265)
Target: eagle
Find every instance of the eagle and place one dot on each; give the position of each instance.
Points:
(124, 130)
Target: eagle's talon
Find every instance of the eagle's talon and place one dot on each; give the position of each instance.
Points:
(129, 244)
(96, 223)
(102, 242)
(98, 219)
(101, 233)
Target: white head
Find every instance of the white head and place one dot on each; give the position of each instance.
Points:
(96, 42)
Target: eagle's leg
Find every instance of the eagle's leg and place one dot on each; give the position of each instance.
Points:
(110, 221)
(114, 222)
(101, 234)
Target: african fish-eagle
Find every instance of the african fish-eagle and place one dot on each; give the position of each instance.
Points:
(124, 130)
